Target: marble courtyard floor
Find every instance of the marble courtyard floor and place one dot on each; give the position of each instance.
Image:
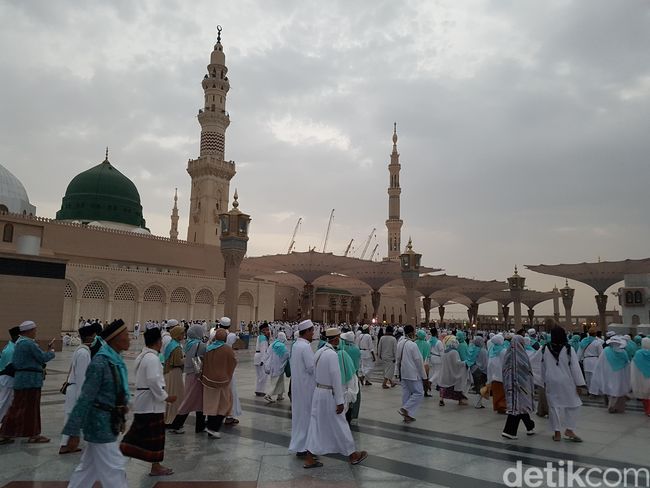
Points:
(447, 446)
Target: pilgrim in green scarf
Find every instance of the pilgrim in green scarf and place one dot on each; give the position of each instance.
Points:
(631, 349)
(353, 351)
(462, 345)
(575, 342)
(347, 366)
(423, 344)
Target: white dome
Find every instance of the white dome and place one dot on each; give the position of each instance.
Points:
(13, 194)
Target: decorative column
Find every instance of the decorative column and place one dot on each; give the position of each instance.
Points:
(234, 242)
(516, 284)
(109, 310)
(556, 304)
(601, 302)
(213, 312)
(77, 311)
(531, 316)
(441, 312)
(426, 305)
(410, 263)
(375, 298)
(473, 313)
(567, 300)
(306, 301)
(138, 310)
(356, 309)
(166, 309)
(506, 315)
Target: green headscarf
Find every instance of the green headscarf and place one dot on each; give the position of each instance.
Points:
(353, 351)
(423, 344)
(347, 366)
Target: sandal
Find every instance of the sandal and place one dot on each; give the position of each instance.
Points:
(361, 458)
(230, 421)
(316, 464)
(66, 450)
(38, 440)
(573, 438)
(162, 472)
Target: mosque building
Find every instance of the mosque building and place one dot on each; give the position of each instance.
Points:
(115, 268)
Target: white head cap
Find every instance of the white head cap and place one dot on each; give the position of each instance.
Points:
(332, 332)
(224, 322)
(348, 336)
(27, 325)
(305, 324)
(172, 323)
(531, 331)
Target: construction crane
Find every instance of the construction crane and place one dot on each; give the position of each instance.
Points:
(372, 254)
(293, 236)
(327, 232)
(347, 249)
(365, 248)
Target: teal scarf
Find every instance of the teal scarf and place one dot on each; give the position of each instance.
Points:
(529, 347)
(584, 343)
(279, 348)
(637, 340)
(353, 351)
(472, 354)
(116, 359)
(7, 355)
(496, 349)
(423, 344)
(347, 366)
(631, 349)
(189, 343)
(642, 361)
(433, 341)
(215, 345)
(575, 342)
(617, 359)
(170, 349)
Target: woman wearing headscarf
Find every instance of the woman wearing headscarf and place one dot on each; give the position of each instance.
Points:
(462, 345)
(193, 395)
(640, 374)
(630, 347)
(519, 388)
(575, 342)
(612, 375)
(218, 368)
(174, 365)
(495, 373)
(562, 378)
(347, 345)
(425, 350)
(454, 377)
(275, 365)
(476, 361)
(437, 349)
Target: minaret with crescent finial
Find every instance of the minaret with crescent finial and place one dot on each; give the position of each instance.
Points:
(211, 172)
(394, 223)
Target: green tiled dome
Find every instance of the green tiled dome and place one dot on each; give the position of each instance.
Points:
(102, 193)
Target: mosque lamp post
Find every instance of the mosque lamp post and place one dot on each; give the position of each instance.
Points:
(516, 285)
(567, 300)
(234, 241)
(410, 263)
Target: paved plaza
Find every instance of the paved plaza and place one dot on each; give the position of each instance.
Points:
(447, 446)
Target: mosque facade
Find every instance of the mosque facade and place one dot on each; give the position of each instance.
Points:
(114, 266)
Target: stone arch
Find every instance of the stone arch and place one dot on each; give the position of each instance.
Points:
(203, 302)
(94, 300)
(245, 308)
(179, 303)
(70, 322)
(124, 303)
(221, 303)
(153, 303)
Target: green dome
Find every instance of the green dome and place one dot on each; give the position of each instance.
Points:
(102, 193)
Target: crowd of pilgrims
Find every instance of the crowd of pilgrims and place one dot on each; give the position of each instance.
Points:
(189, 367)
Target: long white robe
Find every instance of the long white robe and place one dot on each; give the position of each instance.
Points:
(302, 392)
(435, 363)
(261, 350)
(329, 432)
(78, 367)
(455, 373)
(561, 380)
(606, 381)
(366, 347)
(640, 384)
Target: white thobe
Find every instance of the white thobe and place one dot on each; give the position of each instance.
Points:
(261, 349)
(561, 379)
(150, 391)
(100, 462)
(302, 392)
(6, 394)
(410, 366)
(78, 367)
(639, 383)
(606, 381)
(365, 345)
(435, 363)
(329, 432)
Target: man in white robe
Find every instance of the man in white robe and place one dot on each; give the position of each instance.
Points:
(329, 432)
(76, 376)
(225, 323)
(302, 387)
(410, 367)
(367, 355)
(261, 351)
(589, 351)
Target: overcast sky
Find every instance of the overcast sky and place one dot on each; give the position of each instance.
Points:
(523, 125)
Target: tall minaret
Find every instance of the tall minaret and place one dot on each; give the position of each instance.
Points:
(210, 172)
(173, 231)
(394, 223)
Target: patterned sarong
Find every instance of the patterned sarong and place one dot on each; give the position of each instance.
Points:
(145, 440)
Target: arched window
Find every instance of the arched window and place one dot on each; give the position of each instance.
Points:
(4, 209)
(8, 233)
(638, 298)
